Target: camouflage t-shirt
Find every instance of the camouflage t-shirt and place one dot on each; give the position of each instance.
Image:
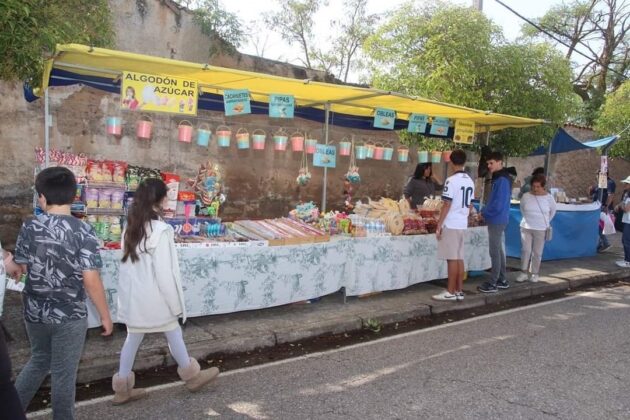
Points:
(56, 249)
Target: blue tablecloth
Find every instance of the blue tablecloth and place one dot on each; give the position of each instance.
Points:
(575, 232)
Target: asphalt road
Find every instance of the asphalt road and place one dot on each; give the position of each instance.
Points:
(567, 359)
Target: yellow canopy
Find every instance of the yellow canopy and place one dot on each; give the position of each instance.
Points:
(343, 99)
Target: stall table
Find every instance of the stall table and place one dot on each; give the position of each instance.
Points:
(575, 232)
(229, 279)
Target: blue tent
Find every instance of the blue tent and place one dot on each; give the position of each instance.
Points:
(562, 142)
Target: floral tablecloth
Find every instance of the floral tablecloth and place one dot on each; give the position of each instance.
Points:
(223, 280)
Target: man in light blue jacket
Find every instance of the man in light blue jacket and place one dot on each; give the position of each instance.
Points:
(496, 214)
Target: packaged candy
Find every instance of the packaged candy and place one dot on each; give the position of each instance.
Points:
(105, 198)
(91, 197)
(117, 197)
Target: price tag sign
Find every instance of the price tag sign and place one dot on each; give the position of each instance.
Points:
(325, 156)
(281, 106)
(464, 132)
(439, 126)
(384, 118)
(236, 102)
(418, 123)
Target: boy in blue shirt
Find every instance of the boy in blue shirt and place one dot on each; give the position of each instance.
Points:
(496, 214)
(60, 255)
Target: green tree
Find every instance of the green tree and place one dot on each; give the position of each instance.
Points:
(32, 28)
(615, 118)
(455, 54)
(596, 38)
(294, 22)
(216, 21)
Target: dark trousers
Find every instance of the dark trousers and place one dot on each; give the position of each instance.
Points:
(9, 400)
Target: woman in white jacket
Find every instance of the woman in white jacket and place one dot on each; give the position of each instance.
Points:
(538, 209)
(150, 296)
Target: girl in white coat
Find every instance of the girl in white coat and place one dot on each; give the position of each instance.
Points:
(150, 297)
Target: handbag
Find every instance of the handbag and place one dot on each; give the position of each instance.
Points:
(549, 229)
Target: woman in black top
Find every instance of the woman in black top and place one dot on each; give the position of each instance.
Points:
(421, 185)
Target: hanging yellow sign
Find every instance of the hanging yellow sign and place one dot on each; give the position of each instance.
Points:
(464, 132)
(152, 93)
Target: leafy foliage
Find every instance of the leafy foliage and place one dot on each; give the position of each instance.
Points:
(615, 117)
(32, 28)
(215, 21)
(455, 54)
(596, 34)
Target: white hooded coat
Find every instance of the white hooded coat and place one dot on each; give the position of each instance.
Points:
(150, 295)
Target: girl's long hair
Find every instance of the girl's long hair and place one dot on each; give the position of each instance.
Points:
(146, 206)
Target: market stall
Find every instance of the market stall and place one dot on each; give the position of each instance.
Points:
(575, 232)
(252, 264)
(224, 279)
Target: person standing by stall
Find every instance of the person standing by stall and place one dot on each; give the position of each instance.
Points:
(606, 195)
(421, 184)
(150, 295)
(625, 238)
(527, 182)
(61, 258)
(496, 214)
(459, 190)
(538, 209)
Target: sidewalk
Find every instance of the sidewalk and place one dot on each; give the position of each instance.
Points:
(245, 331)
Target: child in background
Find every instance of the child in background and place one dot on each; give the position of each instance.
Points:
(60, 255)
(150, 296)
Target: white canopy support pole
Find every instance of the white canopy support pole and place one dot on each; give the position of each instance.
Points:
(548, 158)
(47, 124)
(326, 133)
(486, 142)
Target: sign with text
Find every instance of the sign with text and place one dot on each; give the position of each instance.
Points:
(418, 123)
(281, 106)
(152, 93)
(439, 126)
(236, 102)
(464, 132)
(384, 118)
(325, 156)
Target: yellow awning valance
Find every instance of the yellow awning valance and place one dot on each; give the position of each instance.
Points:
(350, 100)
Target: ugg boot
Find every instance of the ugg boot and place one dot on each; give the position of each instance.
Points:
(194, 377)
(123, 388)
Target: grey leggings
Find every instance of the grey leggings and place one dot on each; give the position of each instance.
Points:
(55, 349)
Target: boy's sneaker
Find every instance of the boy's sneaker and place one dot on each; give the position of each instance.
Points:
(623, 264)
(488, 287)
(522, 277)
(459, 295)
(503, 284)
(534, 278)
(445, 296)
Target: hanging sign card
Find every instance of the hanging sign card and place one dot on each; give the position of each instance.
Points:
(325, 156)
(281, 106)
(236, 102)
(152, 93)
(439, 126)
(417, 123)
(384, 118)
(464, 132)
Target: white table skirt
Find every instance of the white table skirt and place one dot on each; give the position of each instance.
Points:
(224, 280)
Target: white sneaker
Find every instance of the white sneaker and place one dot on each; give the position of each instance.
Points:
(522, 277)
(446, 296)
(534, 278)
(624, 264)
(459, 295)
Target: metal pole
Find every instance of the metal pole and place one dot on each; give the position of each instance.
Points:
(47, 124)
(548, 158)
(326, 132)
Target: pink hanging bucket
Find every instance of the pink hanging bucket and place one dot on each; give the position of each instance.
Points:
(436, 156)
(280, 139)
(378, 152)
(258, 139)
(144, 128)
(311, 146)
(344, 148)
(114, 126)
(446, 156)
(403, 154)
(297, 142)
(224, 135)
(184, 131)
(242, 138)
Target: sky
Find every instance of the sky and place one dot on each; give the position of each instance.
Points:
(273, 47)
